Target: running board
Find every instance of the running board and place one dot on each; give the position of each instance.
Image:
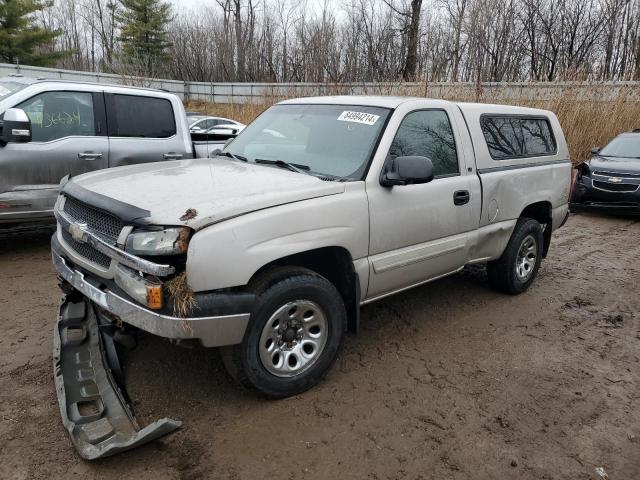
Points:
(94, 411)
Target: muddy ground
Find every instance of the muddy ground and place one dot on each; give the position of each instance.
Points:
(449, 380)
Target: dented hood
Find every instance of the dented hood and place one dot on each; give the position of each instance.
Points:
(216, 189)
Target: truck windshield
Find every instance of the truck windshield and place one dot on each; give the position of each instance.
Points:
(9, 88)
(334, 141)
(627, 146)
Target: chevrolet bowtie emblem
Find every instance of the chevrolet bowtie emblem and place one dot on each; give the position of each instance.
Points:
(614, 180)
(77, 231)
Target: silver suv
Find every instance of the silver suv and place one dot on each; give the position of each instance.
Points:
(72, 128)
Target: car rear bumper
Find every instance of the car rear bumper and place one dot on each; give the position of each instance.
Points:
(212, 331)
(92, 405)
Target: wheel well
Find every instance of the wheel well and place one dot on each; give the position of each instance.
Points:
(541, 211)
(336, 265)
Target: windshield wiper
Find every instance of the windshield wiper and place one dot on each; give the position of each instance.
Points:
(232, 155)
(294, 167)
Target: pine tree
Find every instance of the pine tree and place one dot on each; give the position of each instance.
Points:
(21, 39)
(144, 34)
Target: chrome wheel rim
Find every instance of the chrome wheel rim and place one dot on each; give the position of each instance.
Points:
(527, 256)
(293, 338)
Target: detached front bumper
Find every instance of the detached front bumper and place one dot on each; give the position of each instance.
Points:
(212, 331)
(92, 405)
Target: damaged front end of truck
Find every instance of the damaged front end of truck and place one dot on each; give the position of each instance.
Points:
(119, 273)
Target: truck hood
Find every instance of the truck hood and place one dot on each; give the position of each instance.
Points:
(211, 189)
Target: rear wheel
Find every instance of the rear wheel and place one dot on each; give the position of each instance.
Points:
(293, 337)
(516, 269)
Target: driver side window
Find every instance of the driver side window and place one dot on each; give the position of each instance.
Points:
(56, 115)
(428, 133)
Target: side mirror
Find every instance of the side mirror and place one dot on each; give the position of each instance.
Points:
(16, 127)
(407, 171)
(595, 150)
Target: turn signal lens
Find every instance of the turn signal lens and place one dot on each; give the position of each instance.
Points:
(145, 290)
(154, 297)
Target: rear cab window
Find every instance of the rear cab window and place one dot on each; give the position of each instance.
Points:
(517, 136)
(141, 117)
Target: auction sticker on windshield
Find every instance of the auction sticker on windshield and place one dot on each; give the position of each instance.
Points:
(358, 117)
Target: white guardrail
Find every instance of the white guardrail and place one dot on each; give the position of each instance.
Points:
(265, 92)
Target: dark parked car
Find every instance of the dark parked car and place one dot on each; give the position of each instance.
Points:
(610, 180)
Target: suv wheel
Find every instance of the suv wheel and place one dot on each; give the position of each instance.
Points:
(516, 269)
(293, 337)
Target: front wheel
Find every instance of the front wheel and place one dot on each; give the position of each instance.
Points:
(293, 337)
(516, 269)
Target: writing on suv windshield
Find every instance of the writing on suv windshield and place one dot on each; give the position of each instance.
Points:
(334, 141)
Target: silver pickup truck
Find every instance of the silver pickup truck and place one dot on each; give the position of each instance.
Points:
(61, 128)
(268, 250)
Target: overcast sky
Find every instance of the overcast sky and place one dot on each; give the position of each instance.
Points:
(184, 5)
(191, 3)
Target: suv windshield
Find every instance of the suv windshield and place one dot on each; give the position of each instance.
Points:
(8, 88)
(623, 146)
(326, 140)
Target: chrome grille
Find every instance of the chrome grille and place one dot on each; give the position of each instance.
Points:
(103, 223)
(616, 174)
(615, 187)
(86, 251)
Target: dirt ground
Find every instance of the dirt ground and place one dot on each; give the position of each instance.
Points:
(448, 380)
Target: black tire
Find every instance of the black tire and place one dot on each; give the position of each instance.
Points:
(502, 273)
(274, 290)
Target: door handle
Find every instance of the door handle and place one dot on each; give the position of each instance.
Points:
(461, 197)
(172, 156)
(89, 155)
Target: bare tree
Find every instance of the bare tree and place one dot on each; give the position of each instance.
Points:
(371, 40)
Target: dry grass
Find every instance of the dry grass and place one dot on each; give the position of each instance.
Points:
(590, 115)
(182, 295)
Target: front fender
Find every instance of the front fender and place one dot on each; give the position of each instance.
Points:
(227, 254)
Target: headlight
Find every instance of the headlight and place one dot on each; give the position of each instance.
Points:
(169, 241)
(583, 170)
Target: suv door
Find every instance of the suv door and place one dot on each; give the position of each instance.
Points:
(420, 232)
(68, 137)
(142, 129)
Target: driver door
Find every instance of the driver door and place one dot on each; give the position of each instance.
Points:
(67, 138)
(420, 232)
